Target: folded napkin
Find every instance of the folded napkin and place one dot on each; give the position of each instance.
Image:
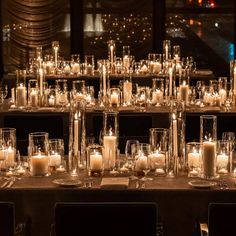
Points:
(115, 183)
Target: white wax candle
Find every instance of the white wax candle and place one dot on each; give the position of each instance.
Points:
(10, 156)
(114, 98)
(217, 100)
(144, 69)
(34, 98)
(208, 157)
(67, 69)
(141, 162)
(51, 101)
(175, 136)
(112, 54)
(184, 92)
(155, 67)
(39, 165)
(54, 159)
(194, 159)
(2, 154)
(157, 96)
(127, 90)
(75, 68)
(157, 160)
(56, 55)
(166, 52)
(76, 135)
(41, 81)
(222, 94)
(21, 171)
(109, 152)
(21, 95)
(96, 162)
(104, 80)
(222, 161)
(61, 169)
(126, 62)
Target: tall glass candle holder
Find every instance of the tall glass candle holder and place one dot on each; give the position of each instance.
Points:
(7, 147)
(61, 93)
(55, 48)
(166, 50)
(155, 63)
(157, 93)
(95, 162)
(194, 158)
(170, 84)
(184, 87)
(159, 138)
(38, 153)
(39, 56)
(77, 137)
(41, 79)
(127, 91)
(177, 161)
(112, 54)
(103, 67)
(208, 138)
(21, 91)
(110, 138)
(89, 64)
(33, 94)
(222, 89)
(126, 59)
(176, 53)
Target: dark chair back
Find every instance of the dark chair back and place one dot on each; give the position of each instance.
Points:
(7, 216)
(222, 219)
(105, 219)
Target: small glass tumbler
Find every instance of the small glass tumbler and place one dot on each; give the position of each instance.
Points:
(56, 153)
(208, 138)
(194, 158)
(95, 160)
(38, 153)
(222, 158)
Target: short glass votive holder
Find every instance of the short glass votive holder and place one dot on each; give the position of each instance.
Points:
(78, 89)
(155, 63)
(75, 64)
(56, 154)
(7, 147)
(194, 159)
(222, 158)
(66, 67)
(38, 153)
(89, 64)
(95, 160)
(142, 161)
(114, 100)
(157, 92)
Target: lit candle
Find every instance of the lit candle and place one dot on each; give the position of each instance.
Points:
(155, 67)
(51, 100)
(126, 62)
(222, 94)
(41, 81)
(39, 165)
(76, 133)
(157, 160)
(112, 54)
(34, 98)
(166, 52)
(60, 169)
(170, 81)
(10, 156)
(194, 159)
(208, 157)
(104, 80)
(127, 90)
(67, 69)
(141, 163)
(109, 155)
(222, 161)
(21, 95)
(157, 96)
(114, 98)
(54, 159)
(75, 68)
(21, 170)
(96, 162)
(184, 92)
(144, 69)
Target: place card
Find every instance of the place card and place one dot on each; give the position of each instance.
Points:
(115, 183)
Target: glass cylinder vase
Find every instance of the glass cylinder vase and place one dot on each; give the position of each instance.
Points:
(208, 138)
(77, 137)
(110, 138)
(21, 91)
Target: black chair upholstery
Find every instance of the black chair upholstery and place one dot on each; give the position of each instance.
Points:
(105, 219)
(7, 218)
(222, 219)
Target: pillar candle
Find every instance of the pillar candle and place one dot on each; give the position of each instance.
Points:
(75, 68)
(222, 161)
(10, 156)
(54, 159)
(21, 95)
(39, 165)
(208, 156)
(127, 90)
(109, 155)
(175, 136)
(157, 96)
(96, 162)
(114, 99)
(193, 159)
(170, 81)
(184, 92)
(141, 162)
(34, 98)
(157, 160)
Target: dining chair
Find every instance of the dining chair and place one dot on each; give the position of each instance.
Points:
(105, 218)
(221, 220)
(8, 227)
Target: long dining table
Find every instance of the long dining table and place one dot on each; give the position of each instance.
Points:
(179, 204)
